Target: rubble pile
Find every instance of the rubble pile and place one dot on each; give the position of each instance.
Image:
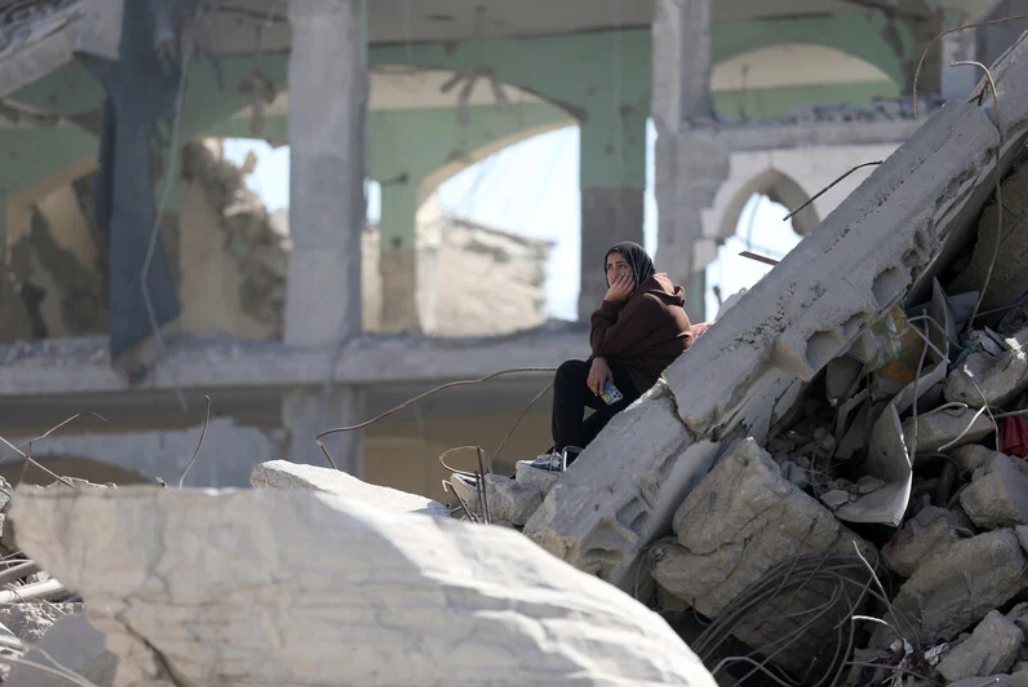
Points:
(905, 456)
(834, 477)
(832, 483)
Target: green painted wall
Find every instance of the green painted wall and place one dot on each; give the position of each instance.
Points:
(867, 35)
(601, 78)
(775, 102)
(416, 143)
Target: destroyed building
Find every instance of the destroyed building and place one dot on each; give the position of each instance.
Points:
(443, 93)
(827, 488)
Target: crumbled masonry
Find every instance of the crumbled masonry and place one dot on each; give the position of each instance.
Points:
(829, 488)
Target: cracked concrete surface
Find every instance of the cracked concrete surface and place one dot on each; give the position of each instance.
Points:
(302, 588)
(742, 520)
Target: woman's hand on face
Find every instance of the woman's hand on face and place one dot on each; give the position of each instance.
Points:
(621, 288)
(599, 373)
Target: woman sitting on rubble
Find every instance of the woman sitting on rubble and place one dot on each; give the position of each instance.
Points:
(640, 328)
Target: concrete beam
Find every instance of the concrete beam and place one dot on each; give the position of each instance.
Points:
(204, 363)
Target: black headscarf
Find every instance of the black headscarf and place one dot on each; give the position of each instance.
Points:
(638, 260)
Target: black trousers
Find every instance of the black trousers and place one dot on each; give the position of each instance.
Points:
(571, 396)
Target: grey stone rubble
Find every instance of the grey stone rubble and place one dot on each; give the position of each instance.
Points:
(992, 648)
(835, 426)
(756, 448)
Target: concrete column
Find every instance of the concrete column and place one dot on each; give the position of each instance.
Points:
(613, 183)
(328, 86)
(691, 158)
(398, 258)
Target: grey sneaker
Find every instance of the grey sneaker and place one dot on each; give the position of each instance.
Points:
(552, 462)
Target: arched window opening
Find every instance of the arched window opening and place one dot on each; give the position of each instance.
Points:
(759, 230)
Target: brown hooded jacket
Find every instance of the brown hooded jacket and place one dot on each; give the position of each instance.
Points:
(644, 333)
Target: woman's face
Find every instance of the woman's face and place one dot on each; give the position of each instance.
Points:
(617, 266)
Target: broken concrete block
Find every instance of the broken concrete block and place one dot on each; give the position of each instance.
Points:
(971, 457)
(928, 532)
(261, 587)
(943, 426)
(282, 474)
(743, 519)
(622, 491)
(510, 501)
(991, 648)
(31, 621)
(74, 644)
(835, 499)
(956, 587)
(543, 480)
(994, 379)
(998, 494)
(1003, 265)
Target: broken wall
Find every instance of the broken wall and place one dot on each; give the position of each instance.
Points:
(473, 280)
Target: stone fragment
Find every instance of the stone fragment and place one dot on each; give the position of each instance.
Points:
(1000, 378)
(986, 378)
(958, 586)
(992, 648)
(943, 426)
(998, 494)
(31, 621)
(543, 480)
(74, 644)
(927, 533)
(835, 499)
(742, 520)
(262, 587)
(971, 457)
(510, 500)
(282, 474)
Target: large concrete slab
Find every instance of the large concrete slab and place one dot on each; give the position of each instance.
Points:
(286, 476)
(741, 521)
(212, 363)
(884, 243)
(956, 587)
(299, 588)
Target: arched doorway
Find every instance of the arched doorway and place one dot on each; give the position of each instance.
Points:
(753, 222)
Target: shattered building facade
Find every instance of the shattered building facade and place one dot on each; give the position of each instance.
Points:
(419, 101)
(832, 479)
